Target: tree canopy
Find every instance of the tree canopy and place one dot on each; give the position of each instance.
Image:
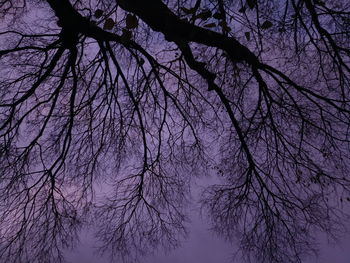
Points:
(142, 96)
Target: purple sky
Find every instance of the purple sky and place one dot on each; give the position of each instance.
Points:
(204, 247)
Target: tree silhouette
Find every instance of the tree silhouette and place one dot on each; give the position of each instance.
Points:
(142, 96)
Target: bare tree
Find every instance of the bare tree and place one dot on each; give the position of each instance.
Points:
(143, 95)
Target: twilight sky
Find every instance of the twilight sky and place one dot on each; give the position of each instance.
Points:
(203, 246)
(307, 98)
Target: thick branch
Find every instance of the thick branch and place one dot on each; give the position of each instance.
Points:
(160, 18)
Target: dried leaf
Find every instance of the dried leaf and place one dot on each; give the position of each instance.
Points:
(251, 3)
(247, 35)
(109, 24)
(98, 13)
(321, 3)
(267, 24)
(226, 29)
(224, 26)
(131, 21)
(204, 15)
(242, 9)
(188, 11)
(210, 25)
(218, 16)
